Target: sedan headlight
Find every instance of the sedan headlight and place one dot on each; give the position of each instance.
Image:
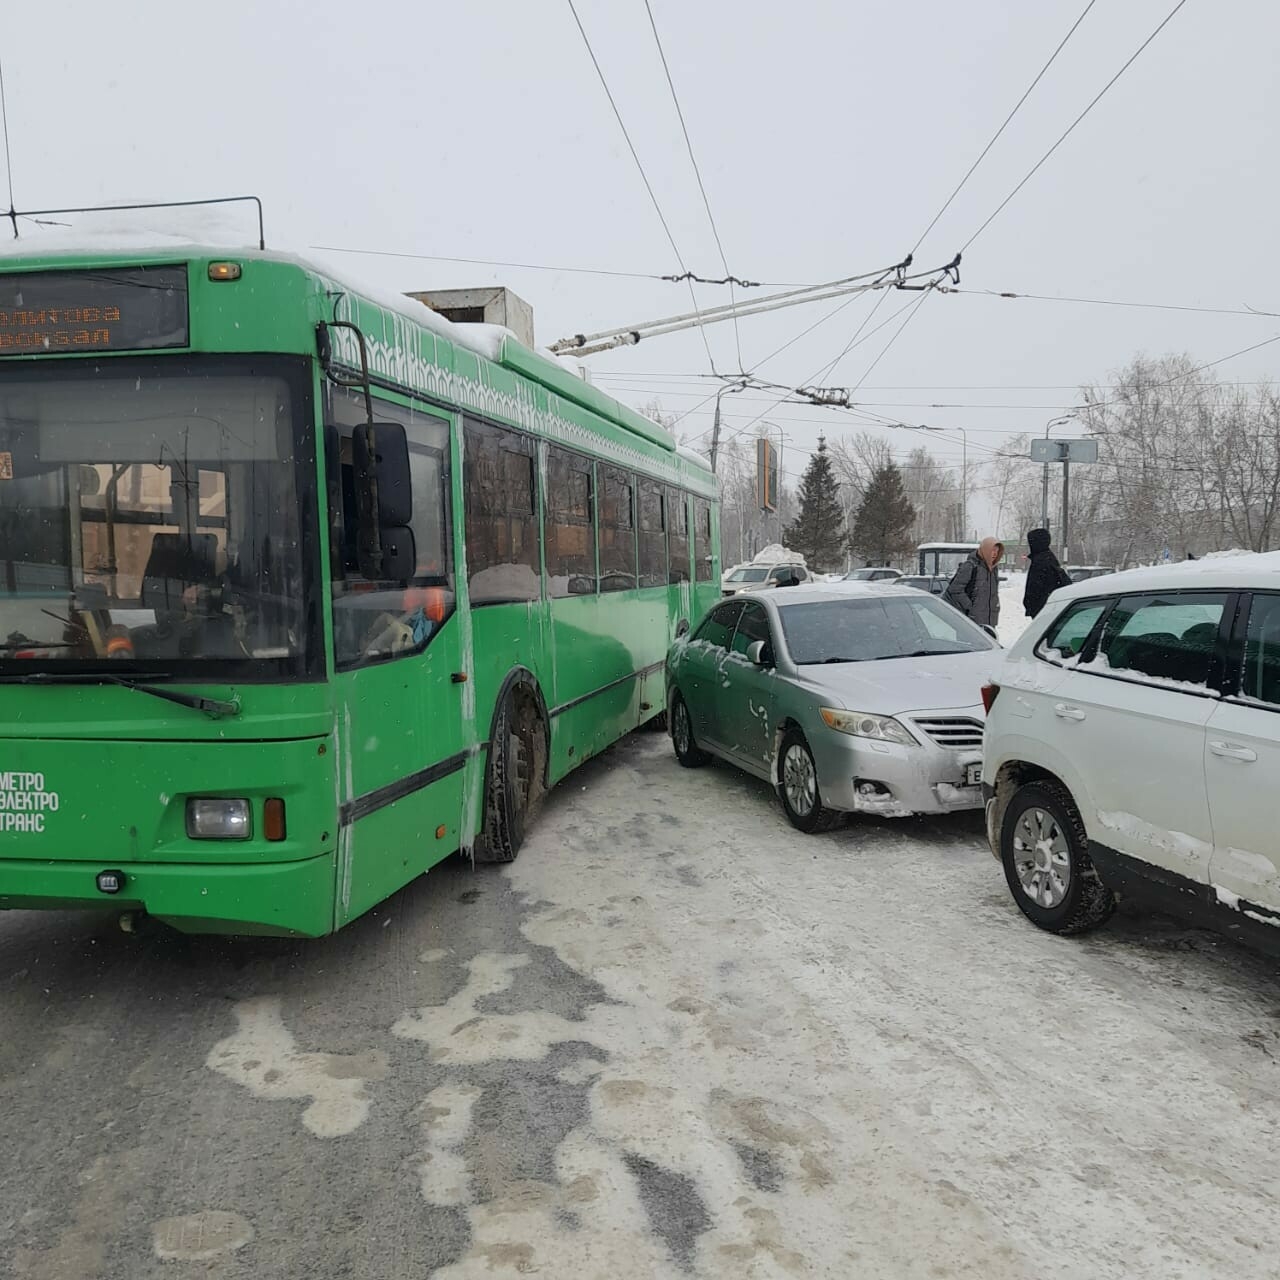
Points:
(213, 818)
(862, 724)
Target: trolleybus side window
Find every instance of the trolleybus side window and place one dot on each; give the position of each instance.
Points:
(618, 531)
(503, 562)
(653, 540)
(702, 540)
(677, 535)
(377, 619)
(570, 524)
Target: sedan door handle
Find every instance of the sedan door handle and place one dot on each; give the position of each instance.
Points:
(1064, 712)
(1229, 752)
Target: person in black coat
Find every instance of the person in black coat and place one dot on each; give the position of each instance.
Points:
(1044, 576)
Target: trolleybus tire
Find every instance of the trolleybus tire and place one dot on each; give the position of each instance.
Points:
(517, 772)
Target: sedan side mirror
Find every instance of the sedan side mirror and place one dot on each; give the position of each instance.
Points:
(991, 631)
(760, 653)
(682, 627)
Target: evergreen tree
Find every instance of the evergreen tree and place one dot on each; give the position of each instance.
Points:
(882, 527)
(817, 533)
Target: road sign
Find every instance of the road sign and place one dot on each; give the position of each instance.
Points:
(1043, 450)
(766, 475)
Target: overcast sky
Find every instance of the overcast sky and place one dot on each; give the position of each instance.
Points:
(828, 134)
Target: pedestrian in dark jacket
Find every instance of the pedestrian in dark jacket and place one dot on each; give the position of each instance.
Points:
(1044, 576)
(975, 588)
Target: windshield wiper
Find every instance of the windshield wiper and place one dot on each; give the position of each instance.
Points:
(215, 707)
(823, 662)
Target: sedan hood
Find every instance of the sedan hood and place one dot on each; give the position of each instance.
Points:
(896, 686)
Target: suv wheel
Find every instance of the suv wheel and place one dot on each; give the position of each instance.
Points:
(1045, 853)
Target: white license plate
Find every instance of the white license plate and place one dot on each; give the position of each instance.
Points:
(972, 775)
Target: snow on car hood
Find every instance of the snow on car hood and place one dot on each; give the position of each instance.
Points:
(895, 686)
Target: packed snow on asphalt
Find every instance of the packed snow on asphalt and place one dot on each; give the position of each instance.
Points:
(675, 1038)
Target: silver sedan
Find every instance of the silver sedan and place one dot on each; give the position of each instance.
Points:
(847, 698)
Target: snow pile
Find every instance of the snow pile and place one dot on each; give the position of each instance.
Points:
(1013, 620)
(776, 553)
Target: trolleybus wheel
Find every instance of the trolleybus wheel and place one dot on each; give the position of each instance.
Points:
(517, 772)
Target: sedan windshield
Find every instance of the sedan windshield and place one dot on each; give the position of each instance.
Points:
(748, 575)
(882, 626)
(149, 517)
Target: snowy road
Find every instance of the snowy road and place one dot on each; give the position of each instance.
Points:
(675, 1038)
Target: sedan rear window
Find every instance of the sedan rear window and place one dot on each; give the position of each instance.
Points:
(865, 630)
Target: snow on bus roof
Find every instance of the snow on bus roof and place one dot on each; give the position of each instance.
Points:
(485, 340)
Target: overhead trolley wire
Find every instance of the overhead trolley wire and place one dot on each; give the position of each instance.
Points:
(1035, 168)
(995, 137)
(1111, 302)
(648, 186)
(706, 203)
(8, 157)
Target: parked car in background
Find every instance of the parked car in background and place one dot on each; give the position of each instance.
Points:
(932, 583)
(848, 699)
(760, 577)
(873, 573)
(1083, 572)
(1133, 746)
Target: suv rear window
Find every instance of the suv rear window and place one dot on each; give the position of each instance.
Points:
(1066, 638)
(1168, 639)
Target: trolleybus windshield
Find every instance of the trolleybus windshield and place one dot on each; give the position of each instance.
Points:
(150, 517)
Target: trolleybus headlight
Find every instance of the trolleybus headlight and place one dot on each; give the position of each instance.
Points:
(213, 818)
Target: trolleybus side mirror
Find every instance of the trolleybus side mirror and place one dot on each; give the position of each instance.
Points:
(384, 472)
(396, 559)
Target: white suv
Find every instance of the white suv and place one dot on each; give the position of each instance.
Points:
(1132, 746)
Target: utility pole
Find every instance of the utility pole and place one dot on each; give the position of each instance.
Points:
(715, 427)
(715, 434)
(1066, 507)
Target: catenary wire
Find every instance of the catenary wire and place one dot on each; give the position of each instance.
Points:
(8, 158)
(1071, 127)
(648, 186)
(706, 202)
(996, 136)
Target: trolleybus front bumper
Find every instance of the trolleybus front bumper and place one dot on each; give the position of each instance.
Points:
(279, 898)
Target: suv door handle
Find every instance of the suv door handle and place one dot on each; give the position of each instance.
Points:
(1229, 752)
(1064, 712)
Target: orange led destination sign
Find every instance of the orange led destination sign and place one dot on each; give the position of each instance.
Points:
(116, 309)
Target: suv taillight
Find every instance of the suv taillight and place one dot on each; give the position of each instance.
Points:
(989, 692)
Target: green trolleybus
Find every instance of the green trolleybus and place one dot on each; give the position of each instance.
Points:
(303, 589)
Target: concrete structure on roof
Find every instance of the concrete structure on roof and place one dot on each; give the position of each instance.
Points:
(493, 305)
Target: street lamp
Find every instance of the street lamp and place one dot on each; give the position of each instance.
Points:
(715, 428)
(1044, 489)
